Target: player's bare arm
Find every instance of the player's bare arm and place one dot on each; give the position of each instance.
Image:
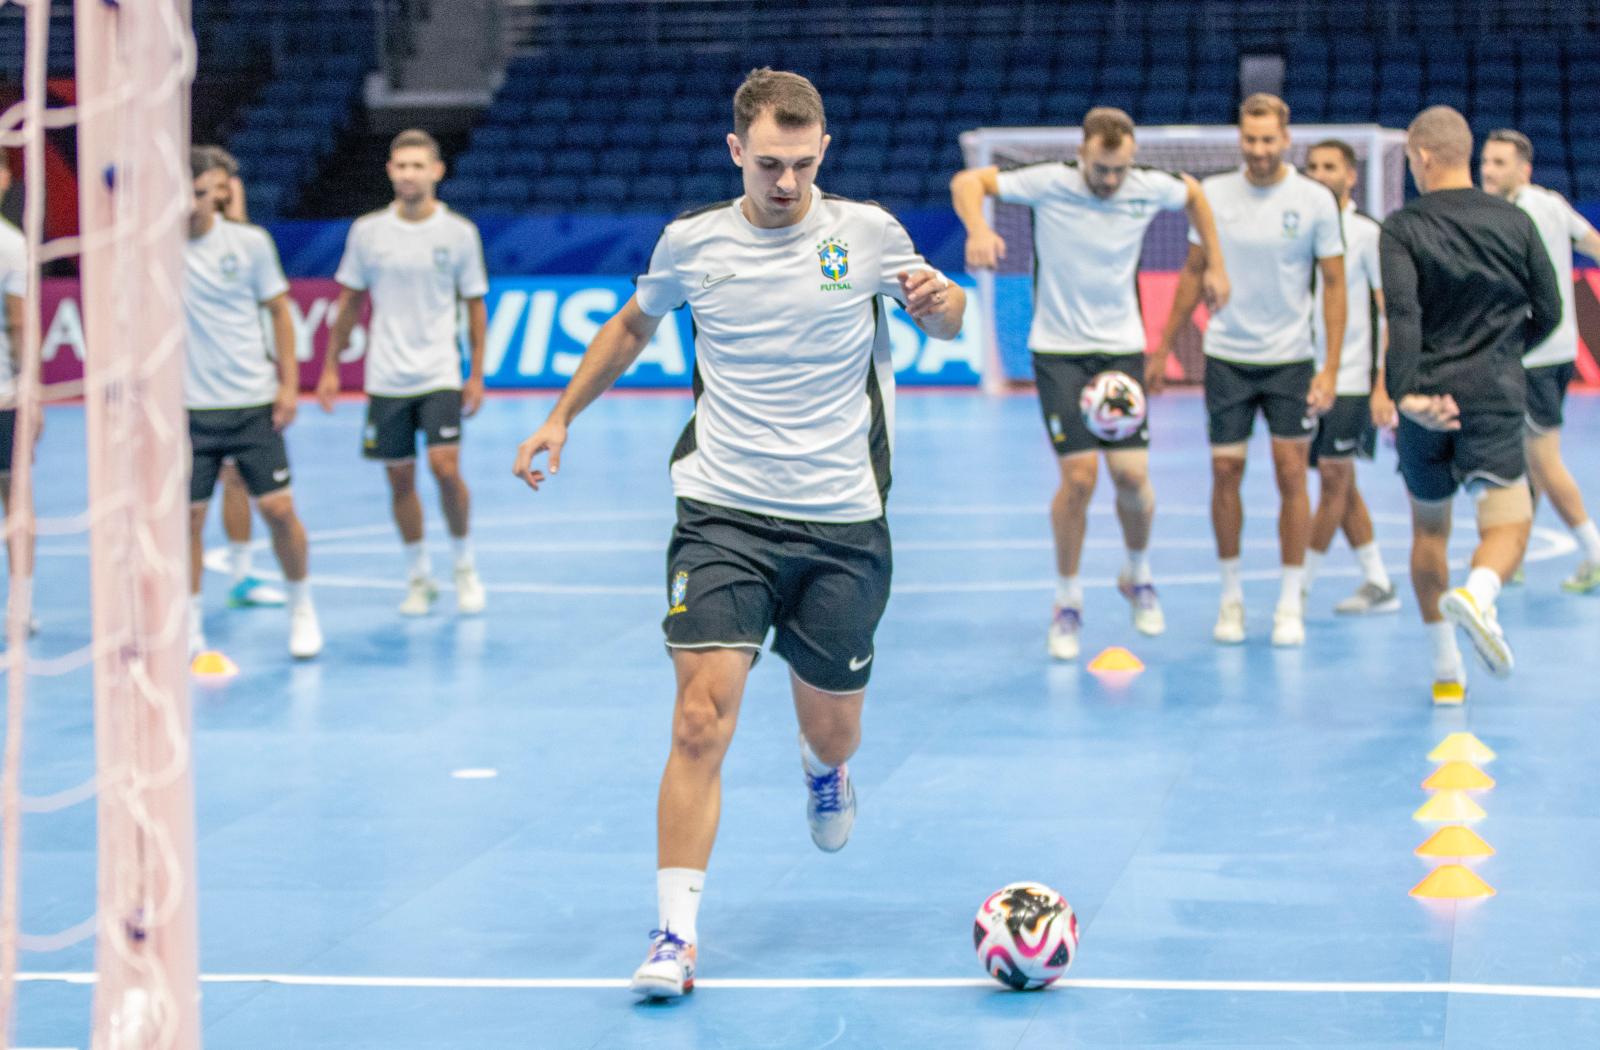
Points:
(934, 302)
(288, 400)
(1184, 301)
(1334, 308)
(1214, 280)
(968, 188)
(345, 313)
(1384, 415)
(13, 321)
(616, 346)
(477, 339)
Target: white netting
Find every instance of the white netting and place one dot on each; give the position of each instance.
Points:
(134, 64)
(1199, 151)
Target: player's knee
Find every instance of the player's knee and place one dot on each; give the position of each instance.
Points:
(402, 479)
(1078, 476)
(1500, 505)
(1338, 477)
(276, 509)
(197, 517)
(1227, 469)
(1135, 493)
(445, 465)
(698, 729)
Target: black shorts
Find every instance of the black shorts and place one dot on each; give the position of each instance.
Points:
(1061, 379)
(1487, 450)
(1346, 430)
(8, 434)
(393, 422)
(244, 435)
(1234, 392)
(732, 575)
(1547, 392)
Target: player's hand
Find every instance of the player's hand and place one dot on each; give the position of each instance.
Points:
(327, 389)
(1216, 288)
(1431, 411)
(551, 437)
(285, 407)
(1384, 416)
(472, 396)
(1319, 399)
(985, 250)
(923, 292)
(1155, 371)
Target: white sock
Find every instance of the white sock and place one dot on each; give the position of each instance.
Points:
(1484, 585)
(1232, 584)
(299, 593)
(1069, 592)
(1588, 537)
(678, 900)
(814, 765)
(463, 549)
(1371, 559)
(1312, 564)
(1446, 657)
(1137, 568)
(417, 559)
(1289, 596)
(239, 555)
(197, 618)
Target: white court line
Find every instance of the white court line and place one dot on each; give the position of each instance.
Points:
(1523, 991)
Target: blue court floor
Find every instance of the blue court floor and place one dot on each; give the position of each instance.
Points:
(1234, 827)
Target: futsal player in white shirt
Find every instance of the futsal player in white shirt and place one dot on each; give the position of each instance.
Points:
(239, 394)
(420, 262)
(1506, 168)
(1277, 229)
(1089, 220)
(780, 475)
(13, 286)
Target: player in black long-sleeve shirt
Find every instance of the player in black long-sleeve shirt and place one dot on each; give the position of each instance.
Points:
(1469, 290)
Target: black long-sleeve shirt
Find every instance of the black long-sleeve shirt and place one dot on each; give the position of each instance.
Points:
(1468, 288)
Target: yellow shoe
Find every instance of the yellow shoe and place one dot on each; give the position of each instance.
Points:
(1449, 693)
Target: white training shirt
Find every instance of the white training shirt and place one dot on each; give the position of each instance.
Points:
(1086, 254)
(13, 281)
(1361, 279)
(415, 272)
(1272, 237)
(794, 382)
(1560, 227)
(228, 273)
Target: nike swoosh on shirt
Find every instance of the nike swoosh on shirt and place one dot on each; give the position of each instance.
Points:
(712, 282)
(856, 665)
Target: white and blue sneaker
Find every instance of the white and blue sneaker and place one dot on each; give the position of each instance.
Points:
(830, 808)
(1066, 623)
(1148, 619)
(251, 592)
(668, 971)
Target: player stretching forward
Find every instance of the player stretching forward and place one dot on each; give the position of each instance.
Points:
(418, 259)
(1277, 229)
(239, 398)
(1470, 289)
(1362, 405)
(780, 476)
(1507, 168)
(1090, 217)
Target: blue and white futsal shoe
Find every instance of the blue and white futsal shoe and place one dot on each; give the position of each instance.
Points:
(668, 971)
(830, 808)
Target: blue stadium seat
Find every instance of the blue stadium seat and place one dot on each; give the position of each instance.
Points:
(572, 162)
(1065, 107)
(1555, 179)
(847, 184)
(586, 134)
(492, 137)
(1021, 108)
(706, 189)
(550, 111)
(473, 166)
(670, 158)
(662, 188)
(1211, 108)
(554, 193)
(928, 103)
(1121, 77)
(916, 132)
(869, 132)
(605, 192)
(1162, 107)
(1035, 79)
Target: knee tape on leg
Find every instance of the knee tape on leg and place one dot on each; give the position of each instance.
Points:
(1503, 504)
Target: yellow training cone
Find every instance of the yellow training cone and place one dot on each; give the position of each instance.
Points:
(1458, 776)
(1116, 660)
(1452, 882)
(212, 664)
(1455, 841)
(1461, 747)
(1449, 805)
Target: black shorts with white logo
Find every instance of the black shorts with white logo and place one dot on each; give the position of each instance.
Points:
(1061, 378)
(821, 587)
(1235, 392)
(1547, 393)
(244, 435)
(1346, 430)
(1487, 450)
(8, 434)
(393, 422)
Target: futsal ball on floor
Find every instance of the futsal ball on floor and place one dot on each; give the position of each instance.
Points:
(1113, 406)
(1026, 935)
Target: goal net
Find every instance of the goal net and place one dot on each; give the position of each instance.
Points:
(1197, 150)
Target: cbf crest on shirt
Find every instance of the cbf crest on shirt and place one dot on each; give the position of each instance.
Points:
(794, 381)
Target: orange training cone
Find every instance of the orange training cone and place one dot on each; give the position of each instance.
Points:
(1455, 841)
(1458, 776)
(1452, 882)
(1449, 806)
(1461, 747)
(1116, 660)
(212, 664)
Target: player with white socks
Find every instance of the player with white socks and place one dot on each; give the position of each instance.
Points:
(1277, 228)
(1349, 429)
(1090, 217)
(420, 262)
(13, 287)
(239, 395)
(1470, 290)
(1507, 171)
(781, 475)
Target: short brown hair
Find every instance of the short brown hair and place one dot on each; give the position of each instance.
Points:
(1346, 150)
(1108, 124)
(1444, 133)
(792, 99)
(1262, 104)
(226, 159)
(203, 159)
(413, 137)
(1516, 139)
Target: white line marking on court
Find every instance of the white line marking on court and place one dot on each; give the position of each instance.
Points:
(475, 774)
(1525, 991)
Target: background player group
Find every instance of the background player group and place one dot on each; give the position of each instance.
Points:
(781, 485)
